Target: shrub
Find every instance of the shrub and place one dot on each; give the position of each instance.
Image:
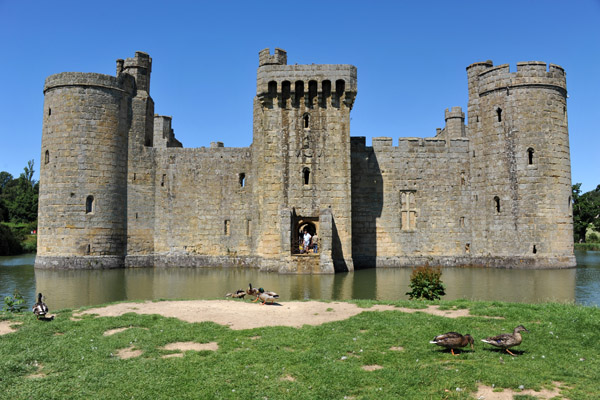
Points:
(426, 283)
(15, 303)
(593, 238)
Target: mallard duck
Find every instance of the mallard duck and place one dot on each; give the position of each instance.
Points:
(238, 294)
(40, 309)
(251, 291)
(453, 340)
(265, 297)
(506, 340)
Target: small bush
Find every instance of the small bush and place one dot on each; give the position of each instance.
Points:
(593, 238)
(15, 303)
(426, 283)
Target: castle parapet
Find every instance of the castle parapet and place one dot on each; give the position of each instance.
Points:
(139, 67)
(528, 74)
(266, 58)
(324, 84)
(66, 79)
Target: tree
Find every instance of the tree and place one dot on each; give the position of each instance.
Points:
(19, 197)
(586, 211)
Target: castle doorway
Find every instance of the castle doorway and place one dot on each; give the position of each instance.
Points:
(301, 225)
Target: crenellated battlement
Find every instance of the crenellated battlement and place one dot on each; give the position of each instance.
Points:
(333, 84)
(489, 78)
(266, 58)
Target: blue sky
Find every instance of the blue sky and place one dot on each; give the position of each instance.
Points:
(411, 59)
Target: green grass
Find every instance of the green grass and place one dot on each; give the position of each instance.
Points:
(587, 246)
(324, 361)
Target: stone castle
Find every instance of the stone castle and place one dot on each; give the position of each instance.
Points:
(118, 190)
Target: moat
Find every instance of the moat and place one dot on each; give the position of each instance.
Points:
(67, 288)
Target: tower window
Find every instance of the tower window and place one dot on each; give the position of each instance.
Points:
(499, 114)
(312, 92)
(49, 111)
(408, 210)
(530, 156)
(162, 181)
(272, 89)
(306, 121)
(306, 176)
(242, 179)
(534, 249)
(497, 202)
(89, 205)
(47, 157)
(226, 228)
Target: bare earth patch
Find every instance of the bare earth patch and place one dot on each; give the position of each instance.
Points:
(245, 315)
(487, 393)
(128, 352)
(397, 348)
(118, 330)
(288, 378)
(371, 367)
(39, 374)
(7, 327)
(186, 346)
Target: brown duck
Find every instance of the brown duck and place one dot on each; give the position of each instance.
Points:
(453, 340)
(506, 340)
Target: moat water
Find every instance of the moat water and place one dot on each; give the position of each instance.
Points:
(70, 289)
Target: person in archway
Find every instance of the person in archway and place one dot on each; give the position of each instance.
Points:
(314, 243)
(306, 239)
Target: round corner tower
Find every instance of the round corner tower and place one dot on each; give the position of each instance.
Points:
(83, 190)
(520, 164)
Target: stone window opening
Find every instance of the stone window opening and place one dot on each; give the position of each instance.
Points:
(49, 111)
(162, 181)
(534, 249)
(272, 89)
(89, 205)
(286, 88)
(306, 175)
(530, 156)
(47, 157)
(497, 202)
(408, 210)
(226, 228)
(134, 176)
(462, 179)
(468, 248)
(312, 92)
(88, 249)
(462, 222)
(326, 90)
(499, 114)
(248, 230)
(306, 121)
(242, 179)
(299, 93)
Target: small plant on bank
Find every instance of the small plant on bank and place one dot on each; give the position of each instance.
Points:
(426, 283)
(14, 304)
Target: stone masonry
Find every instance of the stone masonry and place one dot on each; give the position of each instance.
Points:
(117, 189)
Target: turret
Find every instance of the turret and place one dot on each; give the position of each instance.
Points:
(139, 67)
(520, 162)
(455, 123)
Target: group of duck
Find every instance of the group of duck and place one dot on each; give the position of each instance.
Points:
(260, 293)
(454, 340)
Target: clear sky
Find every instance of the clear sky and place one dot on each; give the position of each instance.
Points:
(411, 58)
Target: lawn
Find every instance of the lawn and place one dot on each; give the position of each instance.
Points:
(383, 355)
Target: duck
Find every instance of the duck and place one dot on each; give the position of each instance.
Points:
(506, 340)
(453, 340)
(252, 291)
(40, 309)
(238, 294)
(265, 297)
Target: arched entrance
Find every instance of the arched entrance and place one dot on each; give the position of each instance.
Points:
(302, 225)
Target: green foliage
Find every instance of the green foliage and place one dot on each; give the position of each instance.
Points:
(586, 211)
(19, 197)
(593, 238)
(9, 244)
(426, 283)
(14, 304)
(72, 359)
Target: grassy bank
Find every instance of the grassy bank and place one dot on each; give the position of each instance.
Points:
(73, 359)
(587, 246)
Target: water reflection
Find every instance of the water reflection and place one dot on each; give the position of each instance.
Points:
(68, 289)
